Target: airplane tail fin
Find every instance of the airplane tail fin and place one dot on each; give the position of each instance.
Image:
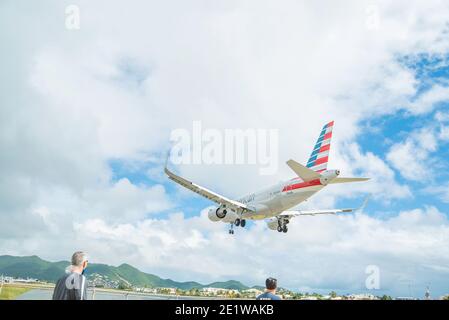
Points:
(320, 154)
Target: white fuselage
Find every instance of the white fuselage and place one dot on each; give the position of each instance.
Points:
(278, 198)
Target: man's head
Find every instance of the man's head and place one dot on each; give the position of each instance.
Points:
(271, 284)
(79, 261)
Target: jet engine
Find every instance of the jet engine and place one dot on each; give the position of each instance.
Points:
(222, 214)
(212, 215)
(272, 223)
(328, 175)
(278, 224)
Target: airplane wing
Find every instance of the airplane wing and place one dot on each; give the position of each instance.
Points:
(295, 213)
(206, 192)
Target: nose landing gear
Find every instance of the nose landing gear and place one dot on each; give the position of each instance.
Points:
(231, 229)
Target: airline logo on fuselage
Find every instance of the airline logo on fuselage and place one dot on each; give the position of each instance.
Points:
(300, 185)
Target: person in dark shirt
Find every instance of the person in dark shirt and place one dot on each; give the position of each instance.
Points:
(72, 286)
(270, 292)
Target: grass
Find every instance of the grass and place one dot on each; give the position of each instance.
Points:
(9, 292)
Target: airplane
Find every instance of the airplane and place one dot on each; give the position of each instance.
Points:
(273, 204)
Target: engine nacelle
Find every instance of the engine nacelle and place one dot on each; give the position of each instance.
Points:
(231, 216)
(212, 215)
(273, 223)
(328, 175)
(222, 214)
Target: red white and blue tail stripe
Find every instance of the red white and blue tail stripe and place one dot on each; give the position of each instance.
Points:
(320, 154)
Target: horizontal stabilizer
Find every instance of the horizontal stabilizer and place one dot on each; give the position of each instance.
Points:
(345, 180)
(303, 172)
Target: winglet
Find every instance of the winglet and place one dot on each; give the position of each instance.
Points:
(167, 158)
(303, 172)
(365, 202)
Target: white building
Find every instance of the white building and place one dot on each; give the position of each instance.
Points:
(149, 290)
(217, 291)
(253, 291)
(362, 296)
(170, 290)
(212, 291)
(4, 279)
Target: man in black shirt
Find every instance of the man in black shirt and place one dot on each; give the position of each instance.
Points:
(72, 286)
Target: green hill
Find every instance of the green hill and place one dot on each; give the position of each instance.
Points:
(35, 267)
(231, 284)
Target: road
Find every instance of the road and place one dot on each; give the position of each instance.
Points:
(45, 294)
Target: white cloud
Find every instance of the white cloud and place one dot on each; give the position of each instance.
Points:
(46, 211)
(115, 88)
(411, 157)
(440, 190)
(428, 100)
(444, 133)
(442, 116)
(320, 248)
(357, 163)
(127, 202)
(442, 119)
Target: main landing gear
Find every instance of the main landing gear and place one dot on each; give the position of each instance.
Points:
(240, 222)
(282, 225)
(237, 222)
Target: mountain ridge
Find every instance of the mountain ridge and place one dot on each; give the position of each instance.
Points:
(38, 268)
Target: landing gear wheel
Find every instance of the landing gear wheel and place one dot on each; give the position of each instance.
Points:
(285, 229)
(243, 223)
(231, 229)
(279, 229)
(237, 222)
